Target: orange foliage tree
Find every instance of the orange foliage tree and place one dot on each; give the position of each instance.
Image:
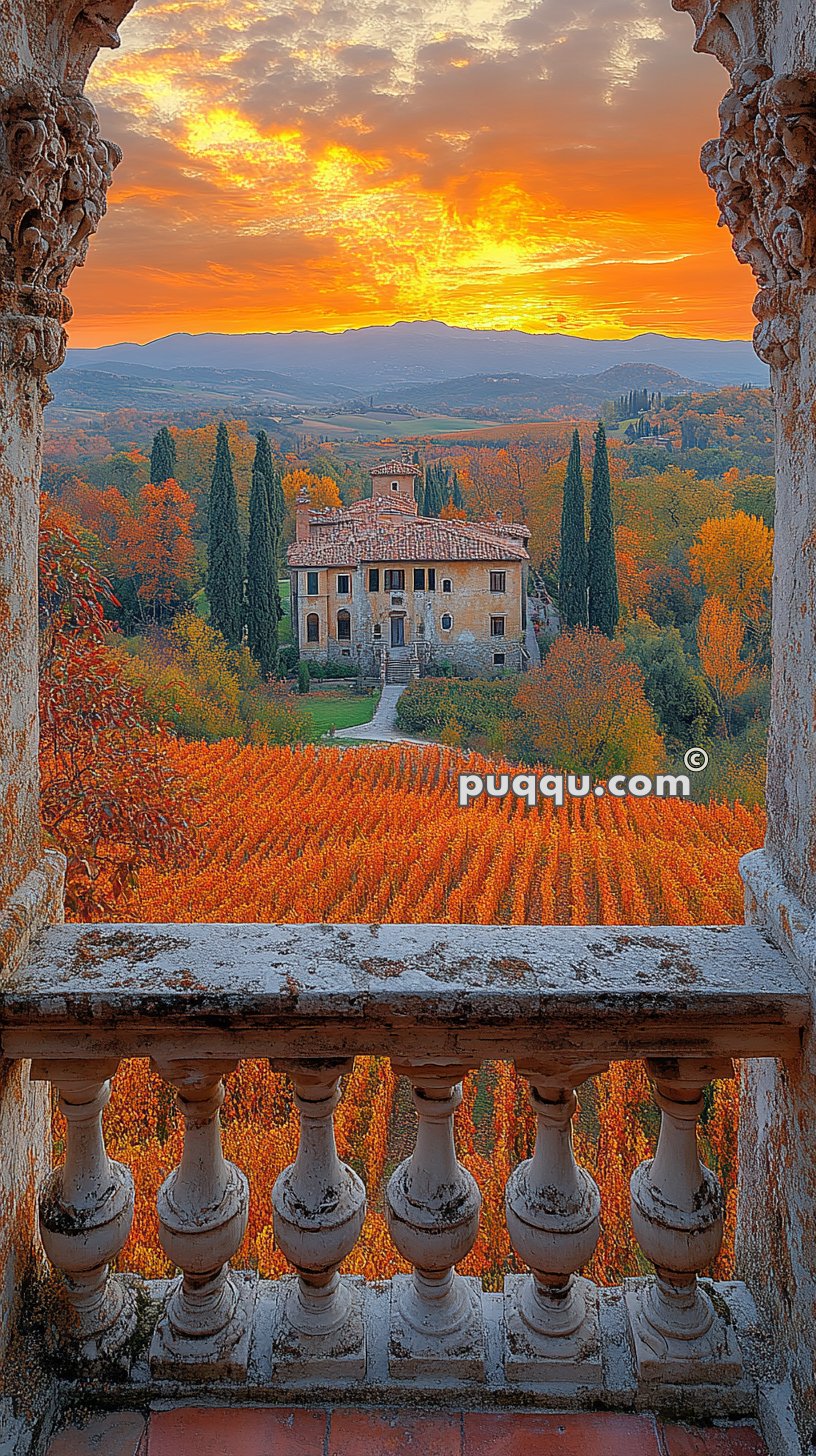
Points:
(733, 560)
(585, 708)
(720, 639)
(144, 543)
(156, 547)
(110, 799)
(321, 489)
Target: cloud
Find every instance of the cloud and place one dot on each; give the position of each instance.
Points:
(307, 164)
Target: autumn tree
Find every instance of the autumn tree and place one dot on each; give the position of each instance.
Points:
(321, 489)
(572, 583)
(604, 609)
(155, 547)
(225, 576)
(261, 582)
(163, 457)
(720, 640)
(585, 709)
(109, 799)
(732, 559)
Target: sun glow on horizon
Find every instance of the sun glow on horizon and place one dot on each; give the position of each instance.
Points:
(293, 167)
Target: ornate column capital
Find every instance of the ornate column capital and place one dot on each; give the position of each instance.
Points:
(763, 171)
(762, 167)
(55, 171)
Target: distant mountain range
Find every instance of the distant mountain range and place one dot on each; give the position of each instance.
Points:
(367, 360)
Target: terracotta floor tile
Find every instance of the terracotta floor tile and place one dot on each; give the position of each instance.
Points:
(520, 1434)
(714, 1441)
(393, 1433)
(199, 1431)
(118, 1434)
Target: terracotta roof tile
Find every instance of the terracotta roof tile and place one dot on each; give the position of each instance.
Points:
(385, 530)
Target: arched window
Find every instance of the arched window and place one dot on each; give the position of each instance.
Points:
(447, 621)
(447, 584)
(344, 626)
(313, 627)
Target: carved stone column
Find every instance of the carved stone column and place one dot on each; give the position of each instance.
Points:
(553, 1218)
(677, 1216)
(763, 170)
(205, 1330)
(86, 1211)
(319, 1207)
(54, 171)
(432, 1205)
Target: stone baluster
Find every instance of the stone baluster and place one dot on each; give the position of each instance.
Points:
(432, 1206)
(553, 1218)
(86, 1211)
(319, 1206)
(677, 1215)
(205, 1328)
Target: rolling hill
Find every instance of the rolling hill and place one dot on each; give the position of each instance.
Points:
(525, 396)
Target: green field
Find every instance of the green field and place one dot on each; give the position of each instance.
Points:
(343, 427)
(338, 710)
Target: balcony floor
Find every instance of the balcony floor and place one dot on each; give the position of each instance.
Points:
(209, 1431)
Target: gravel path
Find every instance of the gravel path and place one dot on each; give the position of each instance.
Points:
(383, 726)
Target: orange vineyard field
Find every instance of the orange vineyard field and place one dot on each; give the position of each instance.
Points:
(375, 834)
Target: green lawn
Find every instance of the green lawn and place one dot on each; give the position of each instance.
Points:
(338, 710)
(285, 624)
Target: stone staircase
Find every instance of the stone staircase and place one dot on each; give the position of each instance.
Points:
(399, 671)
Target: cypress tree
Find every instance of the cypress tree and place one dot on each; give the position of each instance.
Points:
(276, 504)
(572, 585)
(434, 500)
(604, 608)
(225, 577)
(458, 498)
(262, 574)
(163, 457)
(427, 494)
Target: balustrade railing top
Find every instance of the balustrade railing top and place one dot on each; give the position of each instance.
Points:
(458, 990)
(561, 1002)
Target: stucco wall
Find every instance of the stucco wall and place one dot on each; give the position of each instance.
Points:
(468, 644)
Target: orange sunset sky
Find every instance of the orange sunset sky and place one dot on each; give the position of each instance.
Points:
(311, 164)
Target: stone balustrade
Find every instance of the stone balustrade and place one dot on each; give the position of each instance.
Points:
(561, 1002)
